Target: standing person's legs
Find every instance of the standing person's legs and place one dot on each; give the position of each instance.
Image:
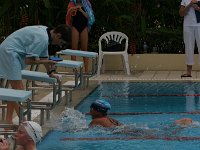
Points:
(197, 36)
(75, 40)
(84, 47)
(11, 106)
(189, 70)
(189, 40)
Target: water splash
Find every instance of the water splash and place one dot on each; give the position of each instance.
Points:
(134, 130)
(72, 120)
(196, 124)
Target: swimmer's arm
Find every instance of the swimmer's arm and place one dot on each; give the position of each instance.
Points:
(173, 128)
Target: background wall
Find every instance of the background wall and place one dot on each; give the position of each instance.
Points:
(151, 62)
(140, 62)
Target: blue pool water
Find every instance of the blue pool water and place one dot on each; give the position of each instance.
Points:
(147, 106)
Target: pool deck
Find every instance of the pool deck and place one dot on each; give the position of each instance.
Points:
(139, 76)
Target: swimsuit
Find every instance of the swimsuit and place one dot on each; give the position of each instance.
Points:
(79, 21)
(87, 8)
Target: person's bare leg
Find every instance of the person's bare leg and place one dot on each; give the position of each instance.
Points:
(84, 47)
(75, 40)
(11, 106)
(189, 70)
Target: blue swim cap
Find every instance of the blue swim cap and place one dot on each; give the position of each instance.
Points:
(101, 105)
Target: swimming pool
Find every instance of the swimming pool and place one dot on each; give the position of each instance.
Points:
(148, 106)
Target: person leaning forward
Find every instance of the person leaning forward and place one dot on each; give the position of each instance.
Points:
(26, 46)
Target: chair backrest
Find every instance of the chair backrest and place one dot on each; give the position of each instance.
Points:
(113, 36)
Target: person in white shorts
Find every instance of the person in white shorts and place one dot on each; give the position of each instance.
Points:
(189, 9)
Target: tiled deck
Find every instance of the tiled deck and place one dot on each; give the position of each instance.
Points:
(147, 76)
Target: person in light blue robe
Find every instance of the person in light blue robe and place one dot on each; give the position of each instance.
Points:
(26, 46)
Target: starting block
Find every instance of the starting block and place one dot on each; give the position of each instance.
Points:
(91, 55)
(77, 66)
(51, 83)
(77, 75)
(20, 97)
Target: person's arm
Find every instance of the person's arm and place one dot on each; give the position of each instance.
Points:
(50, 68)
(33, 60)
(79, 8)
(72, 11)
(83, 12)
(184, 9)
(46, 62)
(50, 71)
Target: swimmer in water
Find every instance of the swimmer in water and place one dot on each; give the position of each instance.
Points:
(98, 112)
(184, 122)
(169, 130)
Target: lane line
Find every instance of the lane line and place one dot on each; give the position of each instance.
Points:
(148, 95)
(146, 113)
(178, 138)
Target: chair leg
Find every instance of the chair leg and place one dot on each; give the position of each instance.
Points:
(126, 63)
(102, 66)
(42, 116)
(99, 64)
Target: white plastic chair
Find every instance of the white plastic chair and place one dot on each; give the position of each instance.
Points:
(117, 37)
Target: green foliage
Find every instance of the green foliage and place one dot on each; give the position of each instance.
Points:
(139, 19)
(143, 20)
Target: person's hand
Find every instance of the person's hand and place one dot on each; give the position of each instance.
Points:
(80, 9)
(196, 7)
(78, 5)
(4, 144)
(57, 76)
(193, 1)
(50, 62)
(73, 11)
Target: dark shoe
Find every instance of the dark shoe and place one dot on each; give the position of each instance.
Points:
(185, 75)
